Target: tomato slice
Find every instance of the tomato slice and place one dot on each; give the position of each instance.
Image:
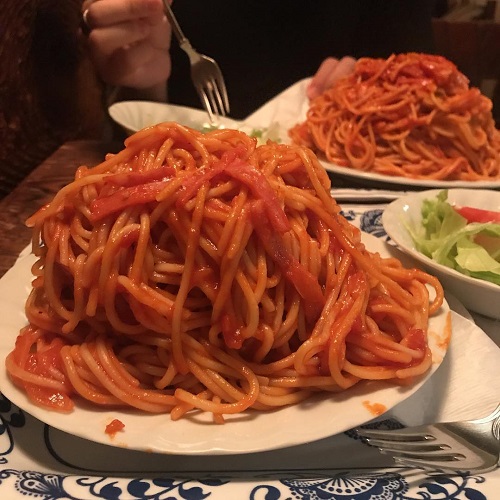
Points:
(478, 214)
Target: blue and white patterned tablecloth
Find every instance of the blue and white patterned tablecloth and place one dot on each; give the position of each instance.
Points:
(37, 461)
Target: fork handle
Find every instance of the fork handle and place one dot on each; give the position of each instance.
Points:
(184, 43)
(174, 23)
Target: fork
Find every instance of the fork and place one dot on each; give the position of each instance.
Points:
(470, 445)
(205, 72)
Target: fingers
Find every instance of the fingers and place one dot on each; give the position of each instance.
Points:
(328, 73)
(126, 37)
(103, 13)
(104, 42)
(137, 66)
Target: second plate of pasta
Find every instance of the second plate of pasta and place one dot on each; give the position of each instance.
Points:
(410, 120)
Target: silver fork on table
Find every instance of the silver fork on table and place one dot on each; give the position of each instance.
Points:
(205, 73)
(470, 445)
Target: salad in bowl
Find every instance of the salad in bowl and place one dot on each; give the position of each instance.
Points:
(455, 234)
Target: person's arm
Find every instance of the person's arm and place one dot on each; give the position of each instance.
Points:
(129, 43)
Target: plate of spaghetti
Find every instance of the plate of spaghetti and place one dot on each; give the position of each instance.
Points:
(199, 279)
(409, 119)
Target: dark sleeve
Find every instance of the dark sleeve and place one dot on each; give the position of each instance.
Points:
(49, 93)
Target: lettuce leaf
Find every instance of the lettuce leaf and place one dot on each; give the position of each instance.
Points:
(446, 237)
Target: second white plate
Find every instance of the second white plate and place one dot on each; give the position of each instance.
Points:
(371, 178)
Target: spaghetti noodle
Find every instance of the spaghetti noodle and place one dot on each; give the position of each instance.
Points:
(199, 271)
(412, 115)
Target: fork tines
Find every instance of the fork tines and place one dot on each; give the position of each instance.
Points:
(410, 446)
(426, 448)
(464, 446)
(205, 72)
(211, 88)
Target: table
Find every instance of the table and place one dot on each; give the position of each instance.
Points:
(37, 188)
(37, 459)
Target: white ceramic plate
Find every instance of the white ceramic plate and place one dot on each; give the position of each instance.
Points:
(477, 295)
(136, 115)
(316, 418)
(465, 386)
(361, 177)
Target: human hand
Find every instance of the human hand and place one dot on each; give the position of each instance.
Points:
(328, 73)
(129, 42)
